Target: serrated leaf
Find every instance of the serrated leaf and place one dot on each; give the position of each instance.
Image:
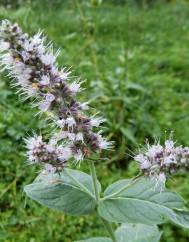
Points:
(97, 239)
(139, 202)
(71, 192)
(138, 233)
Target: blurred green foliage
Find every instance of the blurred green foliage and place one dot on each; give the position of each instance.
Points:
(135, 60)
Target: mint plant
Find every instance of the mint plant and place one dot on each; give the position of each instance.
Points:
(136, 205)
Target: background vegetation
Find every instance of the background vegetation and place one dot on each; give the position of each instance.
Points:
(134, 56)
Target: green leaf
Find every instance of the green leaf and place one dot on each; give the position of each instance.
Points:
(97, 239)
(138, 233)
(128, 134)
(138, 201)
(136, 86)
(71, 192)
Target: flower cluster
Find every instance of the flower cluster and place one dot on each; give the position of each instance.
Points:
(158, 162)
(33, 66)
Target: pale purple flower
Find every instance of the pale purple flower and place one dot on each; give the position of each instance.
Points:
(158, 162)
(33, 66)
(4, 46)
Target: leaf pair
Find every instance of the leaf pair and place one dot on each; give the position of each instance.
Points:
(126, 201)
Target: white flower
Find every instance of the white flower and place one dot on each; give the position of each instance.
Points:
(79, 137)
(44, 106)
(74, 87)
(145, 164)
(96, 121)
(71, 136)
(37, 39)
(28, 46)
(154, 150)
(64, 153)
(70, 122)
(4, 46)
(54, 70)
(49, 168)
(61, 123)
(25, 55)
(171, 159)
(169, 145)
(18, 68)
(62, 135)
(103, 143)
(78, 155)
(84, 106)
(44, 80)
(48, 59)
(64, 75)
(34, 142)
(7, 60)
(140, 158)
(24, 77)
(49, 97)
(50, 148)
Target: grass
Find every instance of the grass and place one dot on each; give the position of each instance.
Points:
(135, 62)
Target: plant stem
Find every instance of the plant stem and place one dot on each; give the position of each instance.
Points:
(107, 225)
(95, 181)
(109, 228)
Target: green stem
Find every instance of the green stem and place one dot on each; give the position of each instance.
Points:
(107, 225)
(95, 181)
(109, 228)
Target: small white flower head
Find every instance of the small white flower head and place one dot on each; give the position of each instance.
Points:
(38, 39)
(170, 159)
(44, 105)
(84, 106)
(61, 123)
(158, 162)
(28, 46)
(71, 122)
(154, 150)
(50, 147)
(79, 137)
(169, 145)
(44, 80)
(64, 153)
(143, 160)
(96, 121)
(25, 55)
(48, 59)
(50, 168)
(7, 60)
(75, 87)
(78, 155)
(103, 143)
(4, 46)
(71, 136)
(49, 97)
(64, 75)
(18, 68)
(140, 158)
(62, 135)
(33, 142)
